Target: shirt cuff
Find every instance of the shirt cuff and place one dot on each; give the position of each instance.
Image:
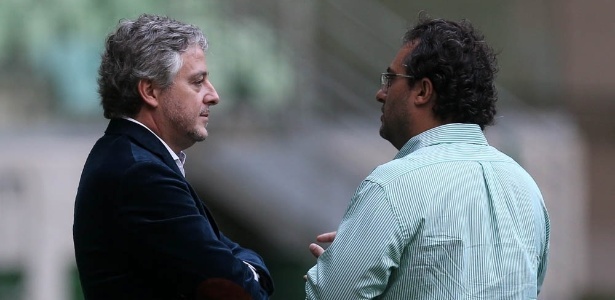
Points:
(256, 276)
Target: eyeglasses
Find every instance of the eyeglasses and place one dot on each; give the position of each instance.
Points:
(386, 79)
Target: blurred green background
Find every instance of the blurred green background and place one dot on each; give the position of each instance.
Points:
(296, 129)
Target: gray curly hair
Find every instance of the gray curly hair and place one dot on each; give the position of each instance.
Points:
(149, 47)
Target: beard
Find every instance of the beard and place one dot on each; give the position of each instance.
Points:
(197, 136)
(395, 132)
(185, 123)
(383, 130)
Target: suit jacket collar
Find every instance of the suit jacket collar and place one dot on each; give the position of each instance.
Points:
(146, 139)
(143, 137)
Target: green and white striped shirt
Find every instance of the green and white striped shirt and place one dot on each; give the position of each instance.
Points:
(449, 218)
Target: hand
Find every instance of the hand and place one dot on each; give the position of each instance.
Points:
(323, 238)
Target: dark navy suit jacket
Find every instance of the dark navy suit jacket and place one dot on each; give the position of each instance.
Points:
(141, 232)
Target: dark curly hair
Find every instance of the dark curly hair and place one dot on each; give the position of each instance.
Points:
(149, 47)
(460, 65)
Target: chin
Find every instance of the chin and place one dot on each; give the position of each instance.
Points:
(199, 135)
(383, 133)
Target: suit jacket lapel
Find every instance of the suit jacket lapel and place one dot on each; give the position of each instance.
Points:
(149, 141)
(203, 209)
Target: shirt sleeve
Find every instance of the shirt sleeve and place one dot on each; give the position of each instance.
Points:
(366, 250)
(542, 266)
(254, 261)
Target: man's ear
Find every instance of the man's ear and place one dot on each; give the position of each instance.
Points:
(149, 93)
(425, 91)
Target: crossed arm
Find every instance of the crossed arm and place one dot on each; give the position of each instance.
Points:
(157, 206)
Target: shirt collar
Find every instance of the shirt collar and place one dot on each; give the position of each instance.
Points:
(444, 134)
(179, 159)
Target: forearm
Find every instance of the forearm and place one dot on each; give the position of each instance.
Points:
(367, 248)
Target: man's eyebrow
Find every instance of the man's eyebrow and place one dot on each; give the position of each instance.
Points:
(203, 74)
(389, 70)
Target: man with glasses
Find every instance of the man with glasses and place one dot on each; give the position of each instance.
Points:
(450, 217)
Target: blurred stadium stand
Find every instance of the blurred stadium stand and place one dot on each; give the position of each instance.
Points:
(297, 128)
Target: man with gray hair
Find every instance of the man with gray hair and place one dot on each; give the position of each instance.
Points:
(140, 231)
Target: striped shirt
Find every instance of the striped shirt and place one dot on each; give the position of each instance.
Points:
(449, 218)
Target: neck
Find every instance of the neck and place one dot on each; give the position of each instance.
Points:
(150, 122)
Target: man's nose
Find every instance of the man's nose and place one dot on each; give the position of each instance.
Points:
(211, 97)
(380, 95)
